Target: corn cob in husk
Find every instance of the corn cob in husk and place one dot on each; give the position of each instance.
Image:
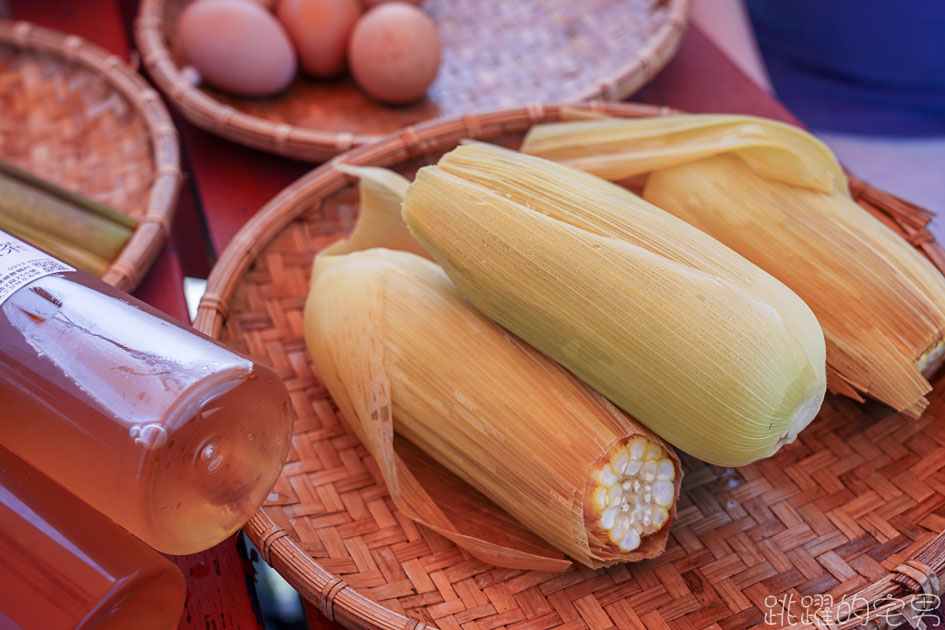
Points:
(415, 369)
(880, 302)
(707, 350)
(620, 148)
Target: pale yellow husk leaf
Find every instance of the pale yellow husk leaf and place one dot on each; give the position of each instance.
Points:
(403, 353)
(709, 351)
(880, 302)
(619, 148)
(379, 223)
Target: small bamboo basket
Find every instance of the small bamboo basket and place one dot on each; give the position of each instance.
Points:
(495, 55)
(81, 118)
(842, 527)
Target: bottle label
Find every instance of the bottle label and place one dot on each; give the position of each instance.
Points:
(21, 263)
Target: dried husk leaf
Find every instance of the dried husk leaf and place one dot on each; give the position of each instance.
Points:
(619, 148)
(709, 351)
(880, 302)
(405, 356)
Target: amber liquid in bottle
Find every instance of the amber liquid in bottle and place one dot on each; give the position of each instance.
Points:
(65, 566)
(172, 435)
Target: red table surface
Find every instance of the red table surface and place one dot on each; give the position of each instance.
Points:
(226, 183)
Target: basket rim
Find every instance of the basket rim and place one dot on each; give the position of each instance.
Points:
(126, 271)
(329, 592)
(316, 145)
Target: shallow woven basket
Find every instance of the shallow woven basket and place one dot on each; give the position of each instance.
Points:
(79, 117)
(849, 509)
(495, 55)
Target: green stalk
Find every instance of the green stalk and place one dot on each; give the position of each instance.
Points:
(83, 202)
(63, 250)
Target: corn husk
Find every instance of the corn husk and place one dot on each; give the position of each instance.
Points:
(704, 348)
(405, 356)
(379, 223)
(617, 149)
(880, 302)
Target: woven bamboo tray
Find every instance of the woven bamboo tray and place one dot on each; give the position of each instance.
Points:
(495, 55)
(79, 117)
(849, 509)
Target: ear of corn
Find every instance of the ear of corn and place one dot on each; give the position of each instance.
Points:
(707, 350)
(619, 148)
(402, 352)
(880, 302)
(622, 505)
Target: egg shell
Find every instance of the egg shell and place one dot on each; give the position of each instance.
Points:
(267, 4)
(394, 53)
(320, 30)
(370, 4)
(237, 46)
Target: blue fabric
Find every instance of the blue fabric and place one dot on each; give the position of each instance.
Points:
(860, 66)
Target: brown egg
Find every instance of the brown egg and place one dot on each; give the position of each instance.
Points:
(370, 4)
(237, 46)
(394, 53)
(320, 30)
(267, 4)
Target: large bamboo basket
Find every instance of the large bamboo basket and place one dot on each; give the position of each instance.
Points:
(855, 508)
(495, 55)
(79, 117)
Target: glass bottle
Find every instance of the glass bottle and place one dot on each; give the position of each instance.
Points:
(66, 566)
(169, 433)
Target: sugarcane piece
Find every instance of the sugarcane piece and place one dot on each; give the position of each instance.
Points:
(399, 348)
(66, 251)
(703, 347)
(880, 302)
(61, 218)
(619, 148)
(90, 205)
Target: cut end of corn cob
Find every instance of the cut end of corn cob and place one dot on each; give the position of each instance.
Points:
(634, 493)
(931, 359)
(803, 415)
